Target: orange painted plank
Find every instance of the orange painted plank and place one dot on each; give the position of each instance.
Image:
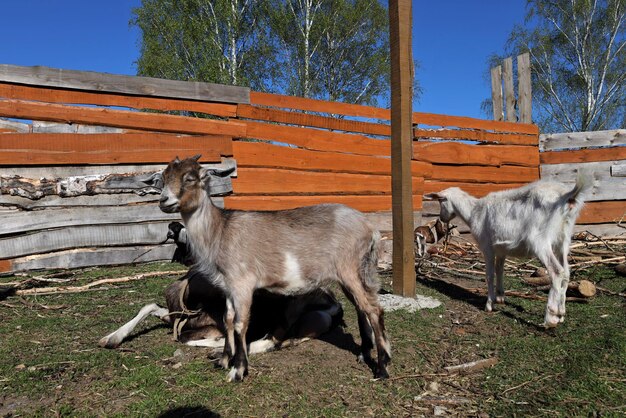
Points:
(371, 203)
(477, 135)
(472, 123)
(260, 154)
(475, 189)
(52, 95)
(256, 181)
(316, 139)
(480, 174)
(5, 266)
(602, 212)
(322, 106)
(54, 148)
(119, 118)
(465, 154)
(583, 155)
(303, 119)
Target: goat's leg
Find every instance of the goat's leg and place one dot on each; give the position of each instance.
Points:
(491, 293)
(562, 256)
(500, 279)
(555, 271)
(367, 303)
(242, 301)
(365, 330)
(229, 335)
(114, 339)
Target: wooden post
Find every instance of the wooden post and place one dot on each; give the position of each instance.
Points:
(524, 88)
(509, 93)
(400, 25)
(496, 92)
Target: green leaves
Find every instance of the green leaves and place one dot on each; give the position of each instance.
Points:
(327, 49)
(578, 53)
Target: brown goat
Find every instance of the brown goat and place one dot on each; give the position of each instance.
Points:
(311, 314)
(289, 252)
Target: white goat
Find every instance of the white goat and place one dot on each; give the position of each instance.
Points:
(537, 219)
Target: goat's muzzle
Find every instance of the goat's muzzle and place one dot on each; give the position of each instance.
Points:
(167, 206)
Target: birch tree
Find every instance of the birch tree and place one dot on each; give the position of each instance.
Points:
(333, 49)
(221, 41)
(578, 62)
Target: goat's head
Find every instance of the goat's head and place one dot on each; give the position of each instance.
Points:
(446, 211)
(184, 182)
(182, 186)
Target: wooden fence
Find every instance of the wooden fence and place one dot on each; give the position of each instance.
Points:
(604, 154)
(71, 190)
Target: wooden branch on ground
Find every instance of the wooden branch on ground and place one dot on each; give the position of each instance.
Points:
(472, 366)
(583, 288)
(77, 289)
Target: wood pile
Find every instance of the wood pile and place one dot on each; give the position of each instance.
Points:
(459, 262)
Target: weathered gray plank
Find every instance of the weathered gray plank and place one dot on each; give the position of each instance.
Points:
(496, 93)
(110, 83)
(20, 222)
(93, 170)
(83, 236)
(509, 92)
(383, 221)
(51, 202)
(619, 170)
(98, 184)
(524, 89)
(606, 187)
(14, 126)
(603, 230)
(574, 140)
(94, 257)
(74, 128)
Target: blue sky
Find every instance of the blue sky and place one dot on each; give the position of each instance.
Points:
(451, 38)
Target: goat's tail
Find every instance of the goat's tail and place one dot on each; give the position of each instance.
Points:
(369, 262)
(577, 196)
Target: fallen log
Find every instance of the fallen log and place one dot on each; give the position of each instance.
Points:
(583, 288)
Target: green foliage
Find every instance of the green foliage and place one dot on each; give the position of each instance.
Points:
(578, 56)
(215, 41)
(325, 49)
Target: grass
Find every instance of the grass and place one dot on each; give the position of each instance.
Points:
(50, 364)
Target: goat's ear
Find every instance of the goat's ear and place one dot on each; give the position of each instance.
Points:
(153, 180)
(434, 196)
(221, 172)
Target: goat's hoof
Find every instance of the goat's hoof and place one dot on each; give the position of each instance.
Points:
(562, 318)
(107, 342)
(551, 321)
(489, 306)
(224, 362)
(500, 300)
(236, 374)
(364, 358)
(381, 373)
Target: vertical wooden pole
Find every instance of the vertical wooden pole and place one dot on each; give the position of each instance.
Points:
(496, 92)
(509, 93)
(524, 88)
(400, 26)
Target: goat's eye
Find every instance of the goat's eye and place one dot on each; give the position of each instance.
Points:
(189, 178)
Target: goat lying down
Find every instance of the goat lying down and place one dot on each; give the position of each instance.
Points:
(288, 252)
(534, 220)
(195, 309)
